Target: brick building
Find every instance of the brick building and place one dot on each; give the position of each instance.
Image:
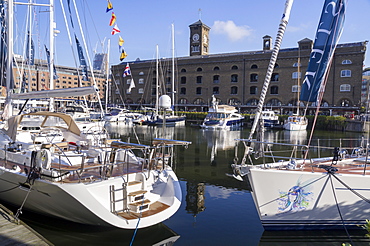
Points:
(237, 78)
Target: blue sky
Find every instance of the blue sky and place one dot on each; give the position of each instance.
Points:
(238, 25)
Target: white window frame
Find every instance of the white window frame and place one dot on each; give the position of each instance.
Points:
(346, 73)
(347, 61)
(141, 81)
(296, 74)
(296, 88)
(345, 88)
(141, 91)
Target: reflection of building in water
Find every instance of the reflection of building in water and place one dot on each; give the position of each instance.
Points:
(195, 198)
(296, 137)
(220, 140)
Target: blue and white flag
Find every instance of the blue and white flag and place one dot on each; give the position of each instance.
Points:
(327, 36)
(83, 64)
(30, 49)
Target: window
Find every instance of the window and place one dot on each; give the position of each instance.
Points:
(345, 87)
(296, 88)
(216, 79)
(183, 70)
(216, 68)
(128, 81)
(254, 66)
(274, 90)
(199, 79)
(128, 91)
(296, 75)
(346, 62)
(141, 81)
(276, 65)
(234, 90)
(198, 91)
(252, 102)
(182, 91)
(195, 48)
(234, 78)
(254, 77)
(183, 101)
(199, 69)
(216, 90)
(235, 67)
(296, 64)
(273, 102)
(275, 77)
(183, 80)
(141, 91)
(141, 73)
(253, 90)
(345, 73)
(199, 101)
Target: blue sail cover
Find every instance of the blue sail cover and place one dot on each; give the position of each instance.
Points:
(327, 36)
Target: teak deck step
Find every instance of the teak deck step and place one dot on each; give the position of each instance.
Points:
(140, 203)
(136, 193)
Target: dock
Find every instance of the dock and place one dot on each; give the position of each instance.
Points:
(16, 232)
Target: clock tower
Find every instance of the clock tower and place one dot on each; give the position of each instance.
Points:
(199, 39)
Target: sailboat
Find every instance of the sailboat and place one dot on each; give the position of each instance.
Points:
(57, 170)
(165, 102)
(296, 122)
(303, 190)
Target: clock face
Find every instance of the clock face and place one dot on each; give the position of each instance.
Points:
(205, 38)
(196, 37)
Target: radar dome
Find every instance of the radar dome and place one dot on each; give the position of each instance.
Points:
(165, 102)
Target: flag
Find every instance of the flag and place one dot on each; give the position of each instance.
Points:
(48, 58)
(83, 65)
(109, 7)
(132, 85)
(113, 19)
(30, 56)
(120, 42)
(127, 71)
(123, 56)
(115, 29)
(327, 36)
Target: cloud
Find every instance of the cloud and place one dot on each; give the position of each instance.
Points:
(233, 32)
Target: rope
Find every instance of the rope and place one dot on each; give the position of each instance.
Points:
(338, 208)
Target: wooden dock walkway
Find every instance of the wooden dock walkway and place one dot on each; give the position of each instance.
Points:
(13, 232)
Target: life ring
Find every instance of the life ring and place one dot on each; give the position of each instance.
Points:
(43, 159)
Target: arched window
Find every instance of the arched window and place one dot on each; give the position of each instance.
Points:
(141, 73)
(216, 79)
(199, 69)
(274, 90)
(216, 68)
(254, 66)
(234, 101)
(253, 90)
(234, 90)
(234, 78)
(252, 102)
(235, 67)
(296, 64)
(183, 101)
(253, 77)
(346, 62)
(183, 70)
(273, 102)
(199, 101)
(345, 73)
(345, 87)
(276, 65)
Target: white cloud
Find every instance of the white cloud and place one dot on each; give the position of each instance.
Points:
(233, 32)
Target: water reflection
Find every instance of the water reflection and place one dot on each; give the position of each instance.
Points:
(195, 199)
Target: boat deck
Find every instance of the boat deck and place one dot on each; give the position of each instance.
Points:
(154, 208)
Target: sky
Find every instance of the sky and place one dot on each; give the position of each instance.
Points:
(236, 26)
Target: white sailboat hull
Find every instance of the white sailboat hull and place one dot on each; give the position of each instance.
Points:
(88, 203)
(287, 199)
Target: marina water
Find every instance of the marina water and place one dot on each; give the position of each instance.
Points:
(216, 208)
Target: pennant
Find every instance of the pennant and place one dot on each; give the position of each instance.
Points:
(115, 29)
(30, 56)
(48, 58)
(127, 71)
(327, 36)
(120, 42)
(123, 56)
(132, 85)
(109, 7)
(113, 19)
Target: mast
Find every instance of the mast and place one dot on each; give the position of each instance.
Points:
(298, 78)
(279, 38)
(173, 69)
(156, 82)
(107, 79)
(10, 45)
(51, 65)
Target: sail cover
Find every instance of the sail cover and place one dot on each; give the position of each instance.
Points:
(327, 36)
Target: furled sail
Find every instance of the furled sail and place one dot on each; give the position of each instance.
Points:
(327, 36)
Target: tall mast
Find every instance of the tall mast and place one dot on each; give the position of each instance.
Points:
(9, 43)
(270, 69)
(51, 65)
(157, 81)
(107, 87)
(173, 68)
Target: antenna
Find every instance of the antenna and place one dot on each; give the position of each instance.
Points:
(200, 13)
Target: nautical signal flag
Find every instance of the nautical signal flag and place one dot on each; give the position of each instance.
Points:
(115, 29)
(123, 56)
(113, 19)
(109, 7)
(120, 42)
(127, 71)
(132, 85)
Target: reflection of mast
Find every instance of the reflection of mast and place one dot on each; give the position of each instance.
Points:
(195, 198)
(298, 77)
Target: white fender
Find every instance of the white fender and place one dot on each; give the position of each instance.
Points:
(43, 159)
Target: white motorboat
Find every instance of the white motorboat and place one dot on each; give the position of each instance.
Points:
(222, 117)
(270, 119)
(59, 172)
(296, 123)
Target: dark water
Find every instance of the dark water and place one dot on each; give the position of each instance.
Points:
(216, 209)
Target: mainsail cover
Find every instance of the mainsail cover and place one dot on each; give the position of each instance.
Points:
(327, 36)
